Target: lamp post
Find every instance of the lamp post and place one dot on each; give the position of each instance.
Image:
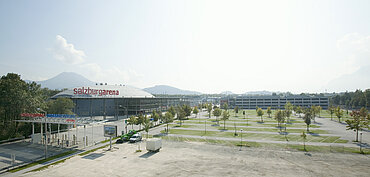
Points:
(241, 139)
(360, 142)
(46, 131)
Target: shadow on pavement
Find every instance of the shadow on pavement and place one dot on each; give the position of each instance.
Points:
(93, 156)
(313, 134)
(147, 155)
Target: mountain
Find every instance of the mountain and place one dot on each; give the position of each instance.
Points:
(227, 93)
(264, 92)
(66, 80)
(357, 80)
(165, 89)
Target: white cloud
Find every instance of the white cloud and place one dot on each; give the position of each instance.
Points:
(66, 52)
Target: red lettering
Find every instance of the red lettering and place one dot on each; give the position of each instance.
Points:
(75, 91)
(117, 92)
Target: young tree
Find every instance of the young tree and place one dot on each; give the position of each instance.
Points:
(358, 121)
(195, 111)
(172, 111)
(269, 111)
(260, 113)
(155, 116)
(314, 111)
(187, 110)
(147, 124)
(319, 109)
(299, 111)
(225, 116)
(307, 118)
(288, 110)
(225, 106)
(140, 120)
(180, 114)
(217, 112)
(132, 121)
(209, 109)
(331, 111)
(279, 117)
(304, 140)
(339, 113)
(168, 118)
(236, 110)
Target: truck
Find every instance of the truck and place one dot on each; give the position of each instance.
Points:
(154, 144)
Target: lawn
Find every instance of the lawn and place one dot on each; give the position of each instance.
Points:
(259, 136)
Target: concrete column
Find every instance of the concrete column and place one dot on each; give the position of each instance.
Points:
(84, 136)
(92, 134)
(33, 130)
(42, 133)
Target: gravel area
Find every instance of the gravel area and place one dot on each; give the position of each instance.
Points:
(199, 159)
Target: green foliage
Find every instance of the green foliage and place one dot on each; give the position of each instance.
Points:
(225, 116)
(279, 117)
(60, 106)
(180, 114)
(217, 112)
(195, 111)
(353, 100)
(288, 110)
(269, 111)
(260, 113)
(132, 121)
(168, 118)
(307, 118)
(16, 97)
(236, 109)
(339, 113)
(140, 120)
(331, 111)
(225, 106)
(187, 110)
(147, 124)
(299, 110)
(209, 109)
(172, 110)
(358, 121)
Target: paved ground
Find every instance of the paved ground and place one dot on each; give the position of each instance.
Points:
(27, 152)
(198, 159)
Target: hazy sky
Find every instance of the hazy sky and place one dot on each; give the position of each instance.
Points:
(207, 46)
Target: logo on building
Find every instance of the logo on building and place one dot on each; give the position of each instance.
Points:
(99, 92)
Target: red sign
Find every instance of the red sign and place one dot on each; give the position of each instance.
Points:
(32, 115)
(70, 120)
(88, 91)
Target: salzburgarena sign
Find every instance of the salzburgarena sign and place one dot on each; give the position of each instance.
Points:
(98, 92)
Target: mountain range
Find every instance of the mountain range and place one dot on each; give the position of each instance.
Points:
(71, 79)
(165, 89)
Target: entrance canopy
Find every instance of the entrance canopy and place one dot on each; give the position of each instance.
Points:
(59, 120)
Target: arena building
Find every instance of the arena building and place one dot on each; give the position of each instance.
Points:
(275, 102)
(117, 101)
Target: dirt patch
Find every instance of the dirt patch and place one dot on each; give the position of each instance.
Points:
(199, 159)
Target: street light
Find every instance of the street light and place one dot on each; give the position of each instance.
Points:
(241, 139)
(46, 131)
(360, 142)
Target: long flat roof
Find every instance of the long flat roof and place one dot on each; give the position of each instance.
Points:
(104, 91)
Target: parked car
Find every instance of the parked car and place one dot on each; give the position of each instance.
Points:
(135, 138)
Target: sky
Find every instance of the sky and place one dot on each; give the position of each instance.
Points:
(206, 46)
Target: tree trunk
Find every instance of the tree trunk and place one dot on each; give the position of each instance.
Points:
(356, 135)
(224, 124)
(167, 128)
(308, 128)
